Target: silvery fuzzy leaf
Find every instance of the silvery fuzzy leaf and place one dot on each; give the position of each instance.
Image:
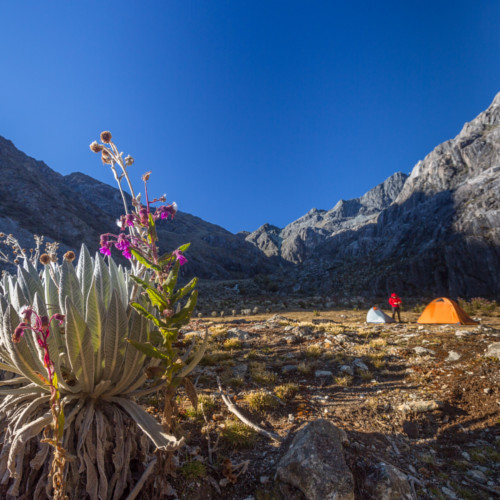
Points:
(79, 347)
(69, 287)
(114, 338)
(85, 271)
(150, 426)
(103, 282)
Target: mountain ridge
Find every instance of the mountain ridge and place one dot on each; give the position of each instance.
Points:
(434, 231)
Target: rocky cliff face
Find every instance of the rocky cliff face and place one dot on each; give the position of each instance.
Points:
(77, 209)
(298, 241)
(440, 236)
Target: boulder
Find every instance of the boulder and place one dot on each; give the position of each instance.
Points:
(315, 463)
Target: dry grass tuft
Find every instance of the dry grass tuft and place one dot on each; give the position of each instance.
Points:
(260, 400)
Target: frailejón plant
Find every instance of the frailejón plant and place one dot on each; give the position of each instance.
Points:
(99, 372)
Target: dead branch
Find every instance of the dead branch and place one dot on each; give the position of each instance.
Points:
(235, 411)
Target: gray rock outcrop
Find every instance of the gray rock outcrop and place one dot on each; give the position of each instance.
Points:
(315, 463)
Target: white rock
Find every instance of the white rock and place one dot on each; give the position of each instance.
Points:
(453, 356)
(358, 363)
(493, 351)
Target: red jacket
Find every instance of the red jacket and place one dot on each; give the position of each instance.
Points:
(394, 300)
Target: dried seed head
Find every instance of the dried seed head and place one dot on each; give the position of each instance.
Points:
(129, 161)
(106, 137)
(44, 259)
(69, 256)
(106, 157)
(145, 177)
(16, 261)
(95, 147)
(53, 257)
(2, 235)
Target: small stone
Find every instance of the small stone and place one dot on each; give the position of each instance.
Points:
(487, 390)
(453, 356)
(465, 455)
(449, 493)
(263, 479)
(493, 351)
(477, 475)
(323, 373)
(289, 368)
(347, 369)
(422, 351)
(236, 333)
(358, 363)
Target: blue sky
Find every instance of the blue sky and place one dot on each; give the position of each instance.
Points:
(246, 111)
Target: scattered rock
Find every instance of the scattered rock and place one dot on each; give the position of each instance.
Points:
(493, 351)
(358, 363)
(419, 406)
(477, 475)
(453, 356)
(315, 463)
(323, 373)
(236, 333)
(289, 368)
(347, 369)
(386, 482)
(449, 493)
(422, 351)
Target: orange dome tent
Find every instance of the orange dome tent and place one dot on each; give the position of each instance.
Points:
(444, 310)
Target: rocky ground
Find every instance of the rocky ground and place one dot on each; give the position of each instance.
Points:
(421, 400)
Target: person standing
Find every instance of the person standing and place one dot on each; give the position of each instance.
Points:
(395, 302)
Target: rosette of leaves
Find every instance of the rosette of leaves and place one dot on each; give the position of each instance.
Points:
(99, 373)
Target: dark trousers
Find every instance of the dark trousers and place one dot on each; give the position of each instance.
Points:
(396, 310)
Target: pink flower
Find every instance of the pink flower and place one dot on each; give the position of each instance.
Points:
(105, 245)
(165, 211)
(180, 258)
(105, 250)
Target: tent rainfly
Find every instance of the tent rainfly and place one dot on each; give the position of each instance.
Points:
(445, 311)
(376, 315)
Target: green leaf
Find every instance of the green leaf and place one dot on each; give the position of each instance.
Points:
(183, 316)
(152, 236)
(148, 349)
(171, 280)
(184, 247)
(145, 284)
(145, 262)
(144, 312)
(156, 299)
(155, 337)
(185, 290)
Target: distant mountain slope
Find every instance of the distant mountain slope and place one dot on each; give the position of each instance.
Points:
(77, 208)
